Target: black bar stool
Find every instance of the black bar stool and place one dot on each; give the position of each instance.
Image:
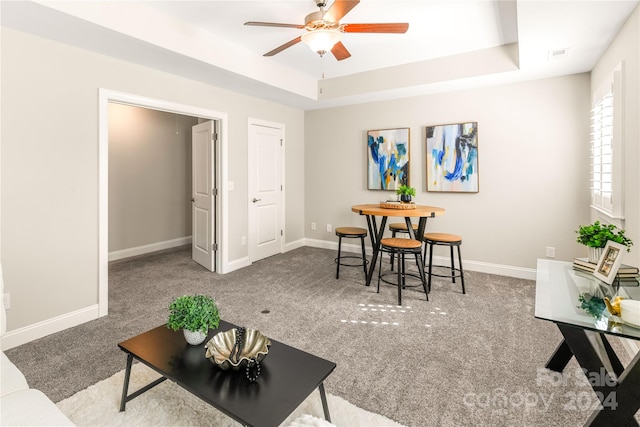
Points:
(351, 233)
(400, 227)
(444, 239)
(401, 247)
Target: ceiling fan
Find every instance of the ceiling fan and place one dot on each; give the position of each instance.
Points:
(324, 31)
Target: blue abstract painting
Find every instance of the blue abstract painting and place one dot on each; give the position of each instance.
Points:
(452, 157)
(388, 153)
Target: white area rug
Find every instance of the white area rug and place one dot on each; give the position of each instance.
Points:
(170, 405)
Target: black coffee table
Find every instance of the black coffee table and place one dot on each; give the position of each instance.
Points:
(288, 376)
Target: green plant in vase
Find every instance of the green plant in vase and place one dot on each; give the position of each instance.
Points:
(597, 235)
(406, 193)
(195, 315)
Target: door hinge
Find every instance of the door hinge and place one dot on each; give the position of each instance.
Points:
(281, 142)
(280, 187)
(214, 137)
(214, 246)
(281, 233)
(214, 191)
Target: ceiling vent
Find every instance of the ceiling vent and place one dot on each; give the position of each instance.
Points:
(557, 53)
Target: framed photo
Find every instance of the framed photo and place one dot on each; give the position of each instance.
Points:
(609, 262)
(452, 158)
(388, 158)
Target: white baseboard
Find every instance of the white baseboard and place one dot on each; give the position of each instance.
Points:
(481, 267)
(152, 247)
(29, 333)
(237, 264)
(245, 262)
(294, 245)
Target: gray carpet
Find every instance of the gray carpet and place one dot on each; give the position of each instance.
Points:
(457, 360)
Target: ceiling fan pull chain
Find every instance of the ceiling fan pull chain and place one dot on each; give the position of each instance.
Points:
(321, 71)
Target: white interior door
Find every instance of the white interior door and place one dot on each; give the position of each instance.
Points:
(203, 186)
(266, 232)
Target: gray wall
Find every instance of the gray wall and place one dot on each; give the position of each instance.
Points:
(532, 166)
(149, 176)
(49, 230)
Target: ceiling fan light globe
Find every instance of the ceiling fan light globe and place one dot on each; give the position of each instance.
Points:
(321, 40)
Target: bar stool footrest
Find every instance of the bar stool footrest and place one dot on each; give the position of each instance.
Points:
(358, 264)
(447, 267)
(395, 283)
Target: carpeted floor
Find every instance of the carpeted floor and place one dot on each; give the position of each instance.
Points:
(456, 360)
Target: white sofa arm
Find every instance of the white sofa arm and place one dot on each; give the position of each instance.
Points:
(11, 379)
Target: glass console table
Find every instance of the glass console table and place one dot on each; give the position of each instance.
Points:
(560, 292)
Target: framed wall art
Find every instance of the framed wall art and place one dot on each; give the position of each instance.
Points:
(388, 158)
(609, 262)
(452, 158)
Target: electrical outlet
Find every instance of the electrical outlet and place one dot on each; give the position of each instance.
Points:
(6, 301)
(551, 252)
(329, 227)
(243, 240)
(313, 225)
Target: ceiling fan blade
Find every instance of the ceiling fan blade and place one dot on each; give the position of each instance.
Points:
(272, 24)
(340, 52)
(339, 9)
(400, 27)
(284, 46)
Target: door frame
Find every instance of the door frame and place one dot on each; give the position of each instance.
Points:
(283, 193)
(104, 97)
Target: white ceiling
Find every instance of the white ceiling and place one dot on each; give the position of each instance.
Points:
(450, 44)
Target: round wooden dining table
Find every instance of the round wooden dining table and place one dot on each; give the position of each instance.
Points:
(372, 211)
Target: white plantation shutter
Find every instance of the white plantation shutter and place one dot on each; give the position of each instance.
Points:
(601, 167)
(606, 148)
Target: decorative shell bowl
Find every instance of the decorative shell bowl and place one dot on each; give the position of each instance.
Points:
(220, 348)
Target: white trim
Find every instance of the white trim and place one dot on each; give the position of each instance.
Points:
(152, 247)
(106, 96)
(480, 267)
(293, 245)
(500, 269)
(29, 333)
(237, 264)
(612, 206)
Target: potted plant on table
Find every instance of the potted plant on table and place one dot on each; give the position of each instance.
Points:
(195, 315)
(595, 236)
(405, 193)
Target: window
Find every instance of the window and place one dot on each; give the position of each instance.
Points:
(606, 148)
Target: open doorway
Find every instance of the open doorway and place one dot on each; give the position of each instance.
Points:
(150, 186)
(109, 97)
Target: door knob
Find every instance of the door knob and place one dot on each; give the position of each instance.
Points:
(193, 199)
(255, 200)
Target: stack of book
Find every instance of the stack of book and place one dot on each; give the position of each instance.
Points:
(624, 272)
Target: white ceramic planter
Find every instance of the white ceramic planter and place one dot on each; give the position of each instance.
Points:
(594, 254)
(194, 337)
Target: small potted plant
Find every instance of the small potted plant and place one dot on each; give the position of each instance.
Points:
(405, 193)
(595, 236)
(195, 315)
